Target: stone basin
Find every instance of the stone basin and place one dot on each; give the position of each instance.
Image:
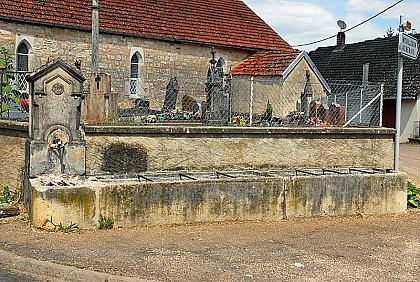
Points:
(190, 197)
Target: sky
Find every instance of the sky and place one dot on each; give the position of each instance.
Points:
(304, 21)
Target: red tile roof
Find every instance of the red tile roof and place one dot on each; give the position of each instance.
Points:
(224, 22)
(266, 63)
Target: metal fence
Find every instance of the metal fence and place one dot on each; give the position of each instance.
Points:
(270, 101)
(264, 101)
(226, 100)
(14, 93)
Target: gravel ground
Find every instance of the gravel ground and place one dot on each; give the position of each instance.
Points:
(384, 248)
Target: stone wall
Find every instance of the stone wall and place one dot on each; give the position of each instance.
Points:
(120, 150)
(114, 150)
(13, 136)
(161, 59)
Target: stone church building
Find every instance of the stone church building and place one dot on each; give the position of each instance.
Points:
(142, 44)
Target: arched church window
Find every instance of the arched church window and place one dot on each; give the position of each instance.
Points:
(22, 65)
(136, 61)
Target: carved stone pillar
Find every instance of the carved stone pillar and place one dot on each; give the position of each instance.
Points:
(56, 144)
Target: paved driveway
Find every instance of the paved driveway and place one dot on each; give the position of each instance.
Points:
(410, 162)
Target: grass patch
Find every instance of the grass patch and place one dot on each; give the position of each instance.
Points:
(69, 264)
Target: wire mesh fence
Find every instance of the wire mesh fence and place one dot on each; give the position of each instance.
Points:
(272, 101)
(14, 93)
(362, 103)
(225, 100)
(262, 101)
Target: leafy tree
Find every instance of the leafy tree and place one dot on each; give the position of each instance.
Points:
(8, 93)
(6, 77)
(389, 32)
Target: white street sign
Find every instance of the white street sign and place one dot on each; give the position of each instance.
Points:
(408, 46)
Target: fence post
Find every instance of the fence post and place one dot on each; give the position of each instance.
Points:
(347, 102)
(361, 105)
(251, 101)
(1, 94)
(381, 107)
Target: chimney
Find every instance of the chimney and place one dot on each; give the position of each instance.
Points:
(341, 40)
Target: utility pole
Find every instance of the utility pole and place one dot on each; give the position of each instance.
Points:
(398, 102)
(95, 36)
(407, 47)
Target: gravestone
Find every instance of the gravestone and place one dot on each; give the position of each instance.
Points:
(188, 103)
(56, 144)
(172, 90)
(100, 102)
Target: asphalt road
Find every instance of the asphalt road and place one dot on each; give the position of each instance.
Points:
(410, 162)
(12, 276)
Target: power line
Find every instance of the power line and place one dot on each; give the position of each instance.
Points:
(365, 21)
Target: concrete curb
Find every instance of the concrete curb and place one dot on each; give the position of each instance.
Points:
(58, 272)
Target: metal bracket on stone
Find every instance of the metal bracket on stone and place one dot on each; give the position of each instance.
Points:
(77, 95)
(40, 94)
(8, 210)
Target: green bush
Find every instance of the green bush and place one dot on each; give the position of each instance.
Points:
(7, 196)
(413, 196)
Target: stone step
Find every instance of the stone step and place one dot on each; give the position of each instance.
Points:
(414, 140)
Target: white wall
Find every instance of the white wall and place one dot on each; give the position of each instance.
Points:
(410, 112)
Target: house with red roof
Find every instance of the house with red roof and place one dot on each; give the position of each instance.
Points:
(142, 43)
(281, 79)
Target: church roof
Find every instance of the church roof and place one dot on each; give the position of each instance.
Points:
(228, 23)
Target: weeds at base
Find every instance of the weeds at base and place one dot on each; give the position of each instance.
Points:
(73, 227)
(105, 223)
(70, 264)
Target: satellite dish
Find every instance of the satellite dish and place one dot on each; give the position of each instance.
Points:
(342, 24)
